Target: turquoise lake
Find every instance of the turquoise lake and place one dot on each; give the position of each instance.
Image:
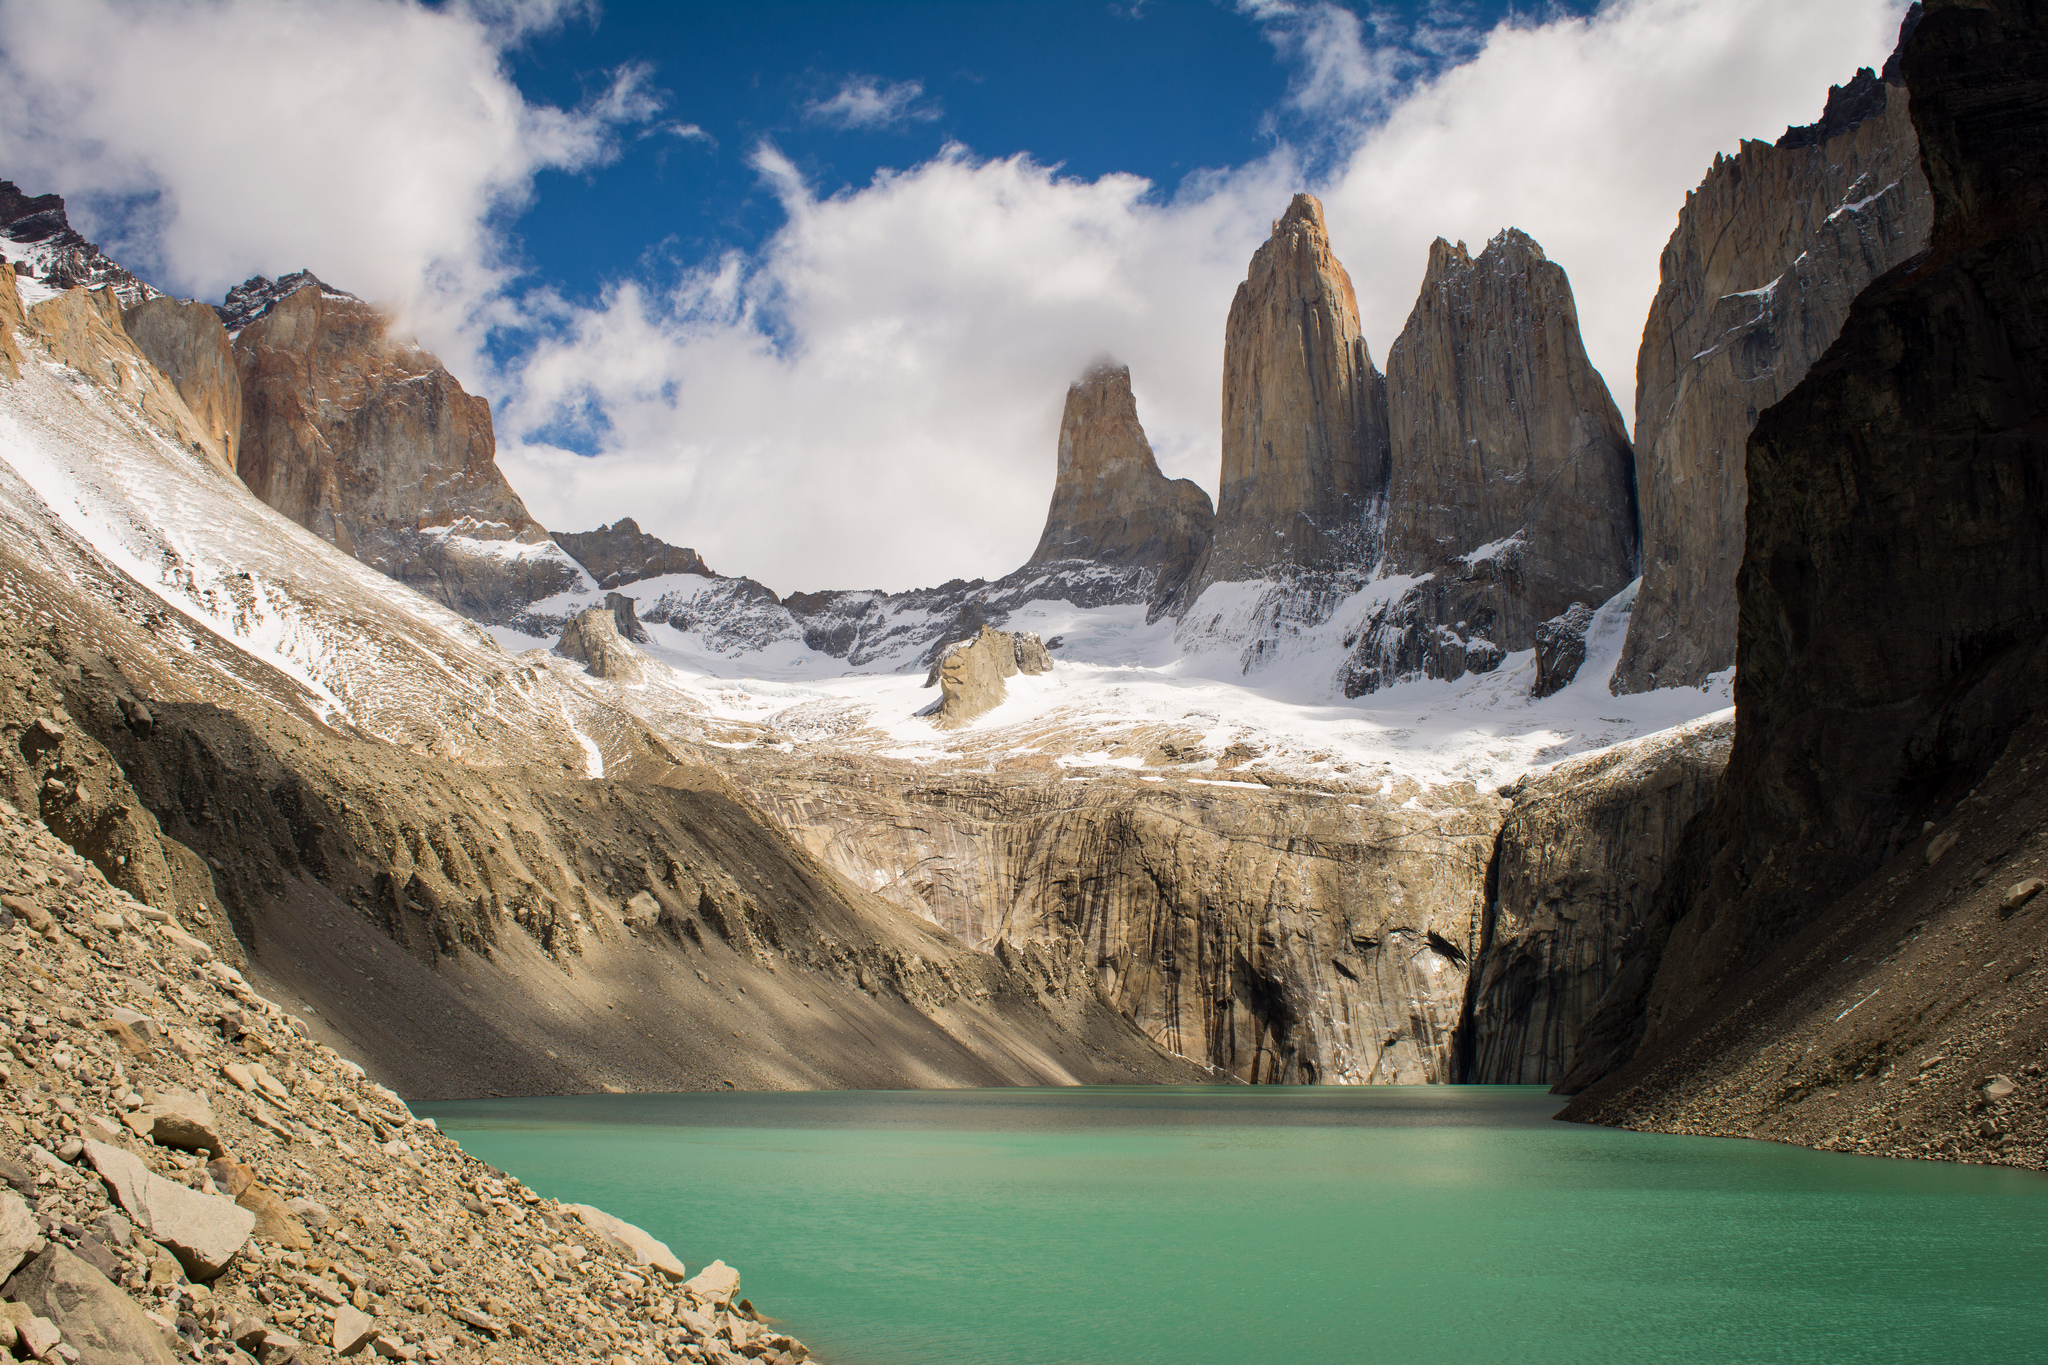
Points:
(1262, 1225)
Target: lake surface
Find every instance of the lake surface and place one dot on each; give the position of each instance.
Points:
(1262, 1225)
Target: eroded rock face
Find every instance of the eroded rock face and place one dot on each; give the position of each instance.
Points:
(372, 444)
(1111, 507)
(1756, 279)
(1193, 909)
(1512, 488)
(970, 675)
(187, 342)
(1304, 416)
(1893, 644)
(592, 638)
(1583, 848)
(622, 553)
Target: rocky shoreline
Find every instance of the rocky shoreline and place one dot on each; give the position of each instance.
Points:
(192, 1177)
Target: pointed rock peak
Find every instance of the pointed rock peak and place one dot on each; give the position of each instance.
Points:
(1445, 258)
(1304, 213)
(42, 244)
(30, 219)
(257, 295)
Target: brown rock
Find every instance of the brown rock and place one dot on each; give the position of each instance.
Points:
(83, 329)
(592, 639)
(970, 678)
(371, 443)
(1304, 415)
(186, 341)
(1111, 507)
(1756, 280)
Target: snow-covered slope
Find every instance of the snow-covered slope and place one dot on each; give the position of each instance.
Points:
(105, 509)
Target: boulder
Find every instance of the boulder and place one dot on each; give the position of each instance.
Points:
(183, 1119)
(715, 1283)
(98, 1321)
(18, 1233)
(592, 638)
(352, 1329)
(203, 1231)
(642, 1246)
(1560, 649)
(1032, 656)
(970, 678)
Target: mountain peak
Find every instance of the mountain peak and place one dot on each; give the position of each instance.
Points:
(257, 295)
(36, 232)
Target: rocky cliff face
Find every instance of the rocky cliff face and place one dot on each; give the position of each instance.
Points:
(1304, 416)
(1892, 648)
(1111, 507)
(85, 329)
(1582, 850)
(1512, 487)
(185, 340)
(1282, 935)
(622, 553)
(372, 444)
(46, 252)
(1756, 280)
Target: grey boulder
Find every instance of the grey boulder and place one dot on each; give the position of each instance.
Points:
(203, 1231)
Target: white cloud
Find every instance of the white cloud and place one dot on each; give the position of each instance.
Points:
(872, 397)
(869, 102)
(374, 142)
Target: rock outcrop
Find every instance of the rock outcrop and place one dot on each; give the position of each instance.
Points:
(186, 341)
(372, 444)
(1304, 417)
(1111, 507)
(1756, 280)
(1838, 912)
(1583, 849)
(36, 236)
(970, 675)
(1512, 491)
(622, 553)
(592, 639)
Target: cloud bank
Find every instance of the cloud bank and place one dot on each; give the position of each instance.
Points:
(872, 397)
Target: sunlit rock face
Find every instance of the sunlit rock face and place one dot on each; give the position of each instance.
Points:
(1304, 415)
(371, 443)
(1756, 280)
(1111, 507)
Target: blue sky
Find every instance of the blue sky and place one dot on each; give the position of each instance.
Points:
(1156, 89)
(803, 285)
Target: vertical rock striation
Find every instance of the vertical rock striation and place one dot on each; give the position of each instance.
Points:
(1111, 507)
(1892, 645)
(1512, 486)
(372, 444)
(1304, 416)
(1582, 851)
(1756, 279)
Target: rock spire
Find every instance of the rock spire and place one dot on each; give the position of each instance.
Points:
(1304, 415)
(1111, 507)
(1512, 485)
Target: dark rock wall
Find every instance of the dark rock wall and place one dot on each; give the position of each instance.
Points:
(1894, 591)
